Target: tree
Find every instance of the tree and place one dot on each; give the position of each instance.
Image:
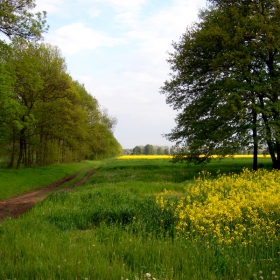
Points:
(137, 150)
(108, 120)
(160, 151)
(166, 151)
(149, 150)
(45, 115)
(26, 88)
(18, 22)
(9, 107)
(225, 81)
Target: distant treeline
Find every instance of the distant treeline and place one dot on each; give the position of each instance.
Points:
(173, 150)
(45, 116)
(151, 150)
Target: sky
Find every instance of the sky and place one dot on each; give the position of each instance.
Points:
(118, 50)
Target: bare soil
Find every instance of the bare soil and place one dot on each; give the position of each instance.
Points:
(18, 205)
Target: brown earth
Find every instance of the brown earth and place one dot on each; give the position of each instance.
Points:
(15, 206)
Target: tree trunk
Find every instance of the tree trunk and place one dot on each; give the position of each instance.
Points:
(255, 139)
(21, 147)
(268, 135)
(12, 158)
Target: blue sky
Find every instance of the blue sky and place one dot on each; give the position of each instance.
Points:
(118, 49)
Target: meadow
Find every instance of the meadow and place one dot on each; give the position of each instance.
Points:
(17, 181)
(152, 219)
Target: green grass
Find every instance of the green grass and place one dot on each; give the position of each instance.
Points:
(14, 182)
(160, 170)
(111, 228)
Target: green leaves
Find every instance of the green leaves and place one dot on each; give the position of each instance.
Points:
(45, 115)
(225, 80)
(18, 22)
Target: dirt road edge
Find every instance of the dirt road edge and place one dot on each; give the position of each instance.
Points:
(18, 205)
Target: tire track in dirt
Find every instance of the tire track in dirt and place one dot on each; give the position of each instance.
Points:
(18, 205)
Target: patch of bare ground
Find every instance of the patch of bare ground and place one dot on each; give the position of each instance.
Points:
(18, 205)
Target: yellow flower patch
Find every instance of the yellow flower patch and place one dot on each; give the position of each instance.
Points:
(145, 157)
(171, 156)
(231, 208)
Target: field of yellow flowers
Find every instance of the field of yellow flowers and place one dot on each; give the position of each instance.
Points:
(126, 157)
(240, 209)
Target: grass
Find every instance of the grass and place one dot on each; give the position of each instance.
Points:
(14, 182)
(160, 170)
(112, 228)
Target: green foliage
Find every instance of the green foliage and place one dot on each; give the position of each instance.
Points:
(137, 150)
(8, 104)
(225, 81)
(149, 150)
(48, 117)
(17, 20)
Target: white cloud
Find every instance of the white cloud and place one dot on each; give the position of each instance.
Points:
(133, 94)
(93, 12)
(141, 111)
(50, 6)
(124, 80)
(75, 37)
(127, 11)
(124, 5)
(153, 37)
(168, 23)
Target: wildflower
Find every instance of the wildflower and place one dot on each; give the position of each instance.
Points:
(147, 275)
(273, 272)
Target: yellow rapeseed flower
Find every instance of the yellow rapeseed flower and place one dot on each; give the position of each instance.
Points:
(230, 208)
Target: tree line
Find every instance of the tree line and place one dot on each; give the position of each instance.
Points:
(225, 81)
(152, 150)
(45, 115)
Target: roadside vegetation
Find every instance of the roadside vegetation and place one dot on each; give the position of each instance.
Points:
(14, 182)
(145, 219)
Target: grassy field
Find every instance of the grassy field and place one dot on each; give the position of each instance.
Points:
(14, 182)
(151, 219)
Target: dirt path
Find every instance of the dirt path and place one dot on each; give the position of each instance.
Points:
(15, 206)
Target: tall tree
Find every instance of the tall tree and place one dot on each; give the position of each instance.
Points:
(137, 150)
(45, 116)
(17, 20)
(160, 151)
(225, 81)
(149, 150)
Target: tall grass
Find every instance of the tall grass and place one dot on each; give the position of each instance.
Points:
(113, 228)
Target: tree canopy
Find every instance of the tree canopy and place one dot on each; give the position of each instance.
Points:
(18, 22)
(46, 116)
(225, 81)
